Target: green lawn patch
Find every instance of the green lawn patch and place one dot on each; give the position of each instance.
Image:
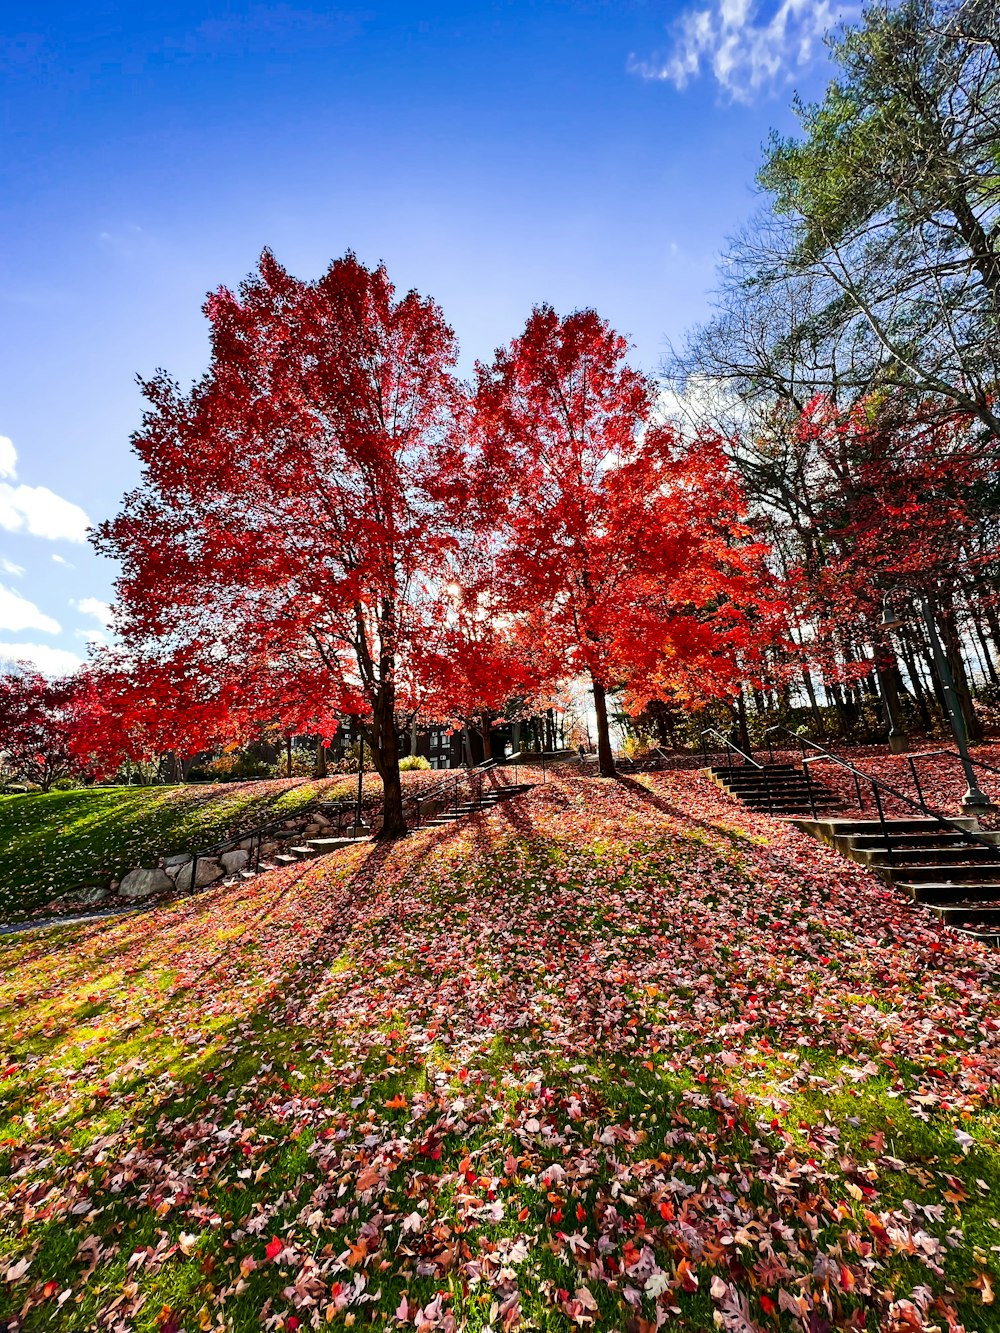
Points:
(580, 1063)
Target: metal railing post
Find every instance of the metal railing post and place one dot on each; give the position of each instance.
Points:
(857, 788)
(809, 785)
(916, 783)
(881, 820)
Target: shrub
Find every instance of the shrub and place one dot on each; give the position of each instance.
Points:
(638, 747)
(413, 763)
(64, 784)
(237, 767)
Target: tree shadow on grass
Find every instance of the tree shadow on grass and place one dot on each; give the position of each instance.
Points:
(682, 817)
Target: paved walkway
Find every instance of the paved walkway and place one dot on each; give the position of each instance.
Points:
(23, 927)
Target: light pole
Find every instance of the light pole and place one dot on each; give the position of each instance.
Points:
(359, 824)
(974, 798)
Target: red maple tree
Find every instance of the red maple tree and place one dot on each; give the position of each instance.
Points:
(286, 547)
(626, 550)
(36, 725)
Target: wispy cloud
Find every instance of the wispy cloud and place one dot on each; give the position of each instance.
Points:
(8, 567)
(93, 606)
(50, 661)
(747, 52)
(17, 613)
(35, 509)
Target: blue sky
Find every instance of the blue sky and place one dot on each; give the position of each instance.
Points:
(581, 152)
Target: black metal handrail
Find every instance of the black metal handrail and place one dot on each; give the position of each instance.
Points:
(472, 776)
(731, 749)
(342, 808)
(256, 835)
(954, 754)
(878, 786)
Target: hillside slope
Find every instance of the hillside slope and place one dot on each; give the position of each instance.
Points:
(55, 841)
(611, 1054)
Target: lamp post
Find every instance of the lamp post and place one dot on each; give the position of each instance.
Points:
(359, 824)
(974, 798)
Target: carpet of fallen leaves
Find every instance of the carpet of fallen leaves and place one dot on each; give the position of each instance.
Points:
(614, 1055)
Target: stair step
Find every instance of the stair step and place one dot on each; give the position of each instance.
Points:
(931, 856)
(304, 853)
(248, 874)
(971, 873)
(909, 842)
(789, 807)
(786, 793)
(321, 846)
(739, 769)
(284, 859)
(966, 912)
(929, 892)
(850, 827)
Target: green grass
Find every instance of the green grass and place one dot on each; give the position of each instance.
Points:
(672, 1049)
(56, 841)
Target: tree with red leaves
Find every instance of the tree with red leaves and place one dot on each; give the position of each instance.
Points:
(625, 549)
(288, 541)
(36, 726)
(894, 495)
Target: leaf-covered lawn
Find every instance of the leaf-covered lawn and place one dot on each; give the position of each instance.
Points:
(613, 1055)
(941, 779)
(56, 841)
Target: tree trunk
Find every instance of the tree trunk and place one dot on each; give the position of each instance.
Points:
(484, 731)
(288, 756)
(741, 722)
(987, 656)
(413, 738)
(953, 651)
(887, 672)
(605, 754)
(385, 756)
(917, 685)
(320, 769)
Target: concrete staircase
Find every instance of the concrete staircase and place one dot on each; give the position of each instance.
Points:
(491, 797)
(936, 865)
(776, 789)
(949, 866)
(313, 847)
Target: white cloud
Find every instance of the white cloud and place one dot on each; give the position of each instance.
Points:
(746, 53)
(94, 637)
(17, 613)
(9, 567)
(93, 606)
(61, 560)
(35, 509)
(50, 661)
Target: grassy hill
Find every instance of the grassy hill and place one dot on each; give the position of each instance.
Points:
(610, 1055)
(55, 841)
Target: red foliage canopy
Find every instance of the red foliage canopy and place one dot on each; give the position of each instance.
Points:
(625, 547)
(288, 543)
